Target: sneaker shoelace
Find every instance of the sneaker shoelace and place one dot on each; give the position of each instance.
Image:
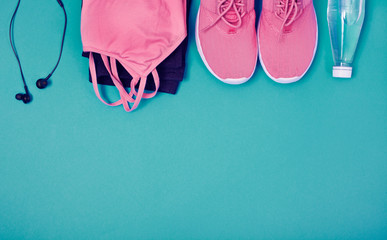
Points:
(288, 11)
(230, 12)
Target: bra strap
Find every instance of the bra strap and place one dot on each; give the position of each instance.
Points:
(117, 82)
(133, 96)
(125, 97)
(112, 69)
(95, 84)
(156, 80)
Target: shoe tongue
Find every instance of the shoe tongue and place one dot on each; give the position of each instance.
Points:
(231, 16)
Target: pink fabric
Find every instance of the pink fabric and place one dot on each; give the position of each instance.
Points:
(138, 33)
(287, 51)
(231, 53)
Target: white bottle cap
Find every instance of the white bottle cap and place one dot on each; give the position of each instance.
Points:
(342, 72)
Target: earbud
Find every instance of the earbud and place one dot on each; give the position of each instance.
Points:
(42, 83)
(25, 97)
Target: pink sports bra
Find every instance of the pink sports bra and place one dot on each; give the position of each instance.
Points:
(139, 34)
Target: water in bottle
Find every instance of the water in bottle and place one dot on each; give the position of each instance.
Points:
(345, 20)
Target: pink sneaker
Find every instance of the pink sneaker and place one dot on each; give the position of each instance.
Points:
(226, 39)
(287, 37)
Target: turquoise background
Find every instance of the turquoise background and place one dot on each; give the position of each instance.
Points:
(256, 161)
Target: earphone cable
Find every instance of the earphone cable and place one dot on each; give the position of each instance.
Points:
(63, 38)
(11, 40)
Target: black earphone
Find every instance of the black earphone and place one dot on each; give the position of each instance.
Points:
(43, 82)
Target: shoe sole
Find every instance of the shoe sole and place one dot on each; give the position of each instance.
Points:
(294, 79)
(232, 81)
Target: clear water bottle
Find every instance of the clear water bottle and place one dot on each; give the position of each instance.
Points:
(345, 20)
